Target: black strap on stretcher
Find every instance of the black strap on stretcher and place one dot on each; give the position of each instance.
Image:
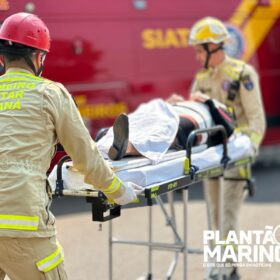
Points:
(191, 141)
(192, 172)
(194, 175)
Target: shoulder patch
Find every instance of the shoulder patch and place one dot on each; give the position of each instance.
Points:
(225, 85)
(247, 82)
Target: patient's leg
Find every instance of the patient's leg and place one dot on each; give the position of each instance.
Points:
(131, 151)
(121, 146)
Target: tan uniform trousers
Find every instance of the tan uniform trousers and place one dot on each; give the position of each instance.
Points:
(18, 257)
(233, 197)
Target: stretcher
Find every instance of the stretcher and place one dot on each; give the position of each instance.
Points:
(177, 171)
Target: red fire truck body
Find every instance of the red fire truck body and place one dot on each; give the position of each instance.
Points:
(113, 55)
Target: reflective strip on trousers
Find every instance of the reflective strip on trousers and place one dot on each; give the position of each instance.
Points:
(19, 222)
(52, 260)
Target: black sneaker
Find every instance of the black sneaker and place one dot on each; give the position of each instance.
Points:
(120, 142)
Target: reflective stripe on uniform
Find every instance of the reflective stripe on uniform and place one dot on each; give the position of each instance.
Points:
(52, 260)
(23, 74)
(115, 185)
(19, 222)
(255, 137)
(14, 79)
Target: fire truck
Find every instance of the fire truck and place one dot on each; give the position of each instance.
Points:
(113, 55)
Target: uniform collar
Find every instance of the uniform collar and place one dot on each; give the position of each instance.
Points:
(18, 69)
(220, 66)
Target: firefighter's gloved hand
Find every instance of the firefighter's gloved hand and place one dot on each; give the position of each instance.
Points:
(130, 194)
(254, 145)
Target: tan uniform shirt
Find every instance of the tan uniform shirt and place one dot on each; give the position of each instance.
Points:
(35, 114)
(247, 105)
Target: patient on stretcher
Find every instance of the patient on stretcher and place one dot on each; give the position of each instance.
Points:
(157, 126)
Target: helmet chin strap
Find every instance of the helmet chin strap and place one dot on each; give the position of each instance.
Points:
(209, 53)
(2, 68)
(40, 70)
(32, 66)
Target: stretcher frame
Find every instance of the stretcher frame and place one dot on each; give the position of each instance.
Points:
(100, 205)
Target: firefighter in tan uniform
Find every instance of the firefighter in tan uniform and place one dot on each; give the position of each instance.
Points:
(36, 113)
(236, 84)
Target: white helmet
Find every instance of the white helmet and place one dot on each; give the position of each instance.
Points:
(208, 30)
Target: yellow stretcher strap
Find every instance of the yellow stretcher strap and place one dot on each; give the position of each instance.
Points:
(52, 260)
(187, 166)
(19, 222)
(245, 172)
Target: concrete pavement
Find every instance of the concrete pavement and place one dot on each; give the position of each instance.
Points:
(86, 248)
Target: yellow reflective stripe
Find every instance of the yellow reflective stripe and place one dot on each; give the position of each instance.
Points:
(114, 186)
(113, 182)
(232, 71)
(23, 74)
(255, 137)
(19, 222)
(243, 172)
(52, 260)
(14, 79)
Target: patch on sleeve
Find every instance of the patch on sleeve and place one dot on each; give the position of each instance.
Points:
(225, 85)
(248, 83)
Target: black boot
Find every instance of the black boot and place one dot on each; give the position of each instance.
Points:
(120, 130)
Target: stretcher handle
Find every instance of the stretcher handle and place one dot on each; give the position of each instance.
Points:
(59, 181)
(192, 137)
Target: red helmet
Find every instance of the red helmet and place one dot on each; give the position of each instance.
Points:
(26, 29)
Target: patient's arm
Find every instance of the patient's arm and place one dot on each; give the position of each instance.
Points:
(174, 98)
(198, 96)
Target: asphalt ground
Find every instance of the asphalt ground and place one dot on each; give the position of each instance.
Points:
(86, 246)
